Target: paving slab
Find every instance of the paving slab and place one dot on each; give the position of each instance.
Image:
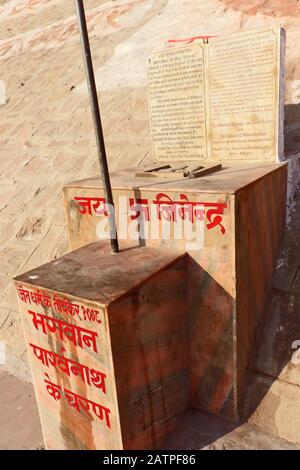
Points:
(203, 431)
(20, 427)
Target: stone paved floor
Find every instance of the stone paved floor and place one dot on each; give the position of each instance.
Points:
(20, 426)
(19, 421)
(202, 431)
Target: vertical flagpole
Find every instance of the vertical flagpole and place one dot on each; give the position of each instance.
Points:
(87, 59)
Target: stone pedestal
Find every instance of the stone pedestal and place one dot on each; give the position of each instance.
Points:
(121, 345)
(241, 210)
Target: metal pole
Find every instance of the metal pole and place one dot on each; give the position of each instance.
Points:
(87, 58)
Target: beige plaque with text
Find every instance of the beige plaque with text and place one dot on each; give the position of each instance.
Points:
(177, 103)
(219, 100)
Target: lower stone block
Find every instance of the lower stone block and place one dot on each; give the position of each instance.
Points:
(107, 342)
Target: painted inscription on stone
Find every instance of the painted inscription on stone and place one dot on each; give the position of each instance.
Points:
(69, 356)
(177, 109)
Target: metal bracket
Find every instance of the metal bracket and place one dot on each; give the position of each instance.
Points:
(178, 171)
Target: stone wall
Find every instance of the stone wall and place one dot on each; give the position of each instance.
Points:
(46, 134)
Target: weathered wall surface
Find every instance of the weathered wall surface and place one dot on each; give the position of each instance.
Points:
(46, 134)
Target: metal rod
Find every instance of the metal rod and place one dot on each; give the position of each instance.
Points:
(90, 77)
